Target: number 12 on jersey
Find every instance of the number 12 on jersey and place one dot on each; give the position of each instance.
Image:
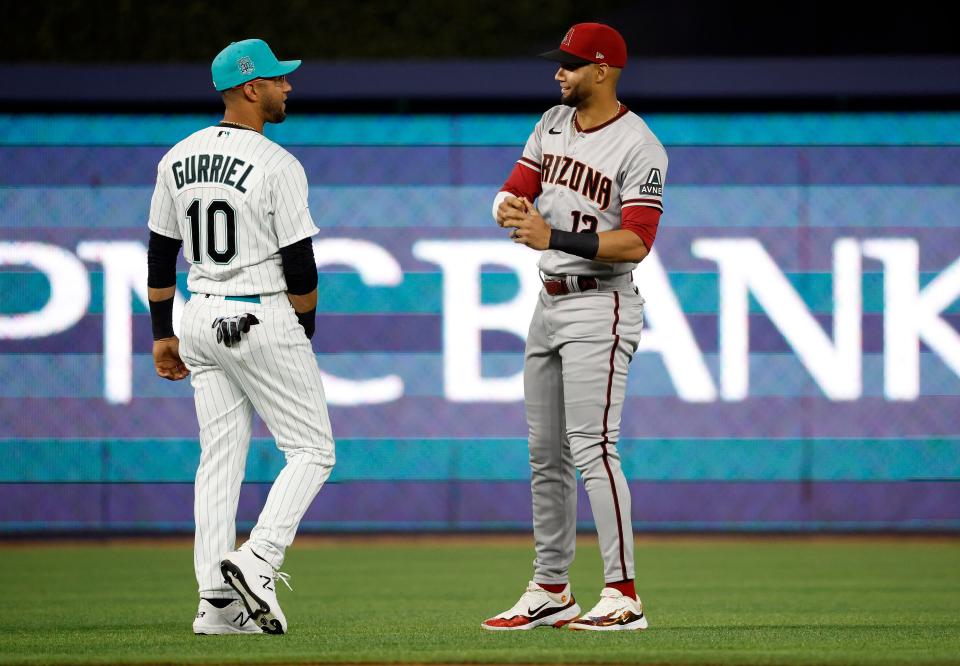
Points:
(217, 207)
(583, 223)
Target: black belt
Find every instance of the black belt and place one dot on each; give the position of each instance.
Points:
(561, 288)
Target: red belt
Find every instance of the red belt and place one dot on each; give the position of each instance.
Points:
(560, 287)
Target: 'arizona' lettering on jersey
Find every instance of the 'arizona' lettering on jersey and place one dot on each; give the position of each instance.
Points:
(598, 174)
(582, 178)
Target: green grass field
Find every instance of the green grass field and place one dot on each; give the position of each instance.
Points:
(709, 601)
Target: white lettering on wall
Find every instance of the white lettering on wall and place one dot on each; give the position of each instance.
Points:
(911, 314)
(745, 268)
(465, 317)
(667, 332)
(69, 290)
(377, 268)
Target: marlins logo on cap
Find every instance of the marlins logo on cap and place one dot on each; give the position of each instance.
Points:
(247, 60)
(245, 65)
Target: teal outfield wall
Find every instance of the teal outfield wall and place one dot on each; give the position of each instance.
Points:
(92, 441)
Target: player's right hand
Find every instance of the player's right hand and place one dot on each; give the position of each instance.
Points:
(166, 359)
(510, 208)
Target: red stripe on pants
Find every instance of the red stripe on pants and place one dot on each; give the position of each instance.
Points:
(606, 412)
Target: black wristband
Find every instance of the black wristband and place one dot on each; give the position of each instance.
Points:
(161, 317)
(580, 244)
(308, 320)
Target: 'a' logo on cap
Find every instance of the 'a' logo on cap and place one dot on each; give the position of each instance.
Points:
(599, 56)
(245, 65)
(567, 38)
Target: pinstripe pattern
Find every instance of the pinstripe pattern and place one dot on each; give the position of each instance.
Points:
(273, 370)
(272, 213)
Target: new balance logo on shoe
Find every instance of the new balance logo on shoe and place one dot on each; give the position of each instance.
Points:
(267, 582)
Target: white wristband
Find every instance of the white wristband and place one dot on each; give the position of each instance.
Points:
(497, 200)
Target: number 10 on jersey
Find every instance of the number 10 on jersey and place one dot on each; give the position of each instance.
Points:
(217, 207)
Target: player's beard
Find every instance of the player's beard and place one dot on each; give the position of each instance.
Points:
(272, 110)
(573, 98)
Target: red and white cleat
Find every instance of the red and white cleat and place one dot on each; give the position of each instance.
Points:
(614, 612)
(536, 608)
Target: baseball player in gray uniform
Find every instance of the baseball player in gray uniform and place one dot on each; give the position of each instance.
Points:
(237, 203)
(597, 173)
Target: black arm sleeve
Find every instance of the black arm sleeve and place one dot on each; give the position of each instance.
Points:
(162, 260)
(299, 267)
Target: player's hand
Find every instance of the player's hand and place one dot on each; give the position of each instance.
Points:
(166, 359)
(529, 227)
(509, 209)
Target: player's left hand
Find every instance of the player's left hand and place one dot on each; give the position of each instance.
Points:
(166, 359)
(529, 227)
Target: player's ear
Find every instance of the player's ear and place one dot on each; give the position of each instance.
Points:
(602, 69)
(250, 92)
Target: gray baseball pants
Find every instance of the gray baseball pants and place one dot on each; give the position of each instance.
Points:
(575, 373)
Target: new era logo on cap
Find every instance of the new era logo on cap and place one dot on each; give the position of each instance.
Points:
(590, 43)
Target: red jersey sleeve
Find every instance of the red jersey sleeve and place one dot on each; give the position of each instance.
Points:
(524, 180)
(641, 220)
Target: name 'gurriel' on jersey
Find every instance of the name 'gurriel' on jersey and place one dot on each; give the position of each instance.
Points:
(561, 170)
(211, 169)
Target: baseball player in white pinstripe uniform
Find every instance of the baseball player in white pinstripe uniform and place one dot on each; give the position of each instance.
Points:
(237, 202)
(597, 172)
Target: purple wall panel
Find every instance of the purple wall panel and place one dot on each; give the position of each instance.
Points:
(453, 505)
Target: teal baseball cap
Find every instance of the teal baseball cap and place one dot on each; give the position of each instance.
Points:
(245, 61)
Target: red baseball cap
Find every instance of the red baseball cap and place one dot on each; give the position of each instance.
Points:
(590, 42)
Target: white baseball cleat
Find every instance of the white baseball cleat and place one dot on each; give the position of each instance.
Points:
(254, 580)
(536, 608)
(231, 619)
(614, 612)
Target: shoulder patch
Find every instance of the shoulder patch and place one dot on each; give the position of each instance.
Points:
(654, 184)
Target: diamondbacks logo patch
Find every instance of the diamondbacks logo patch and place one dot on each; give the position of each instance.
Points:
(654, 184)
(245, 65)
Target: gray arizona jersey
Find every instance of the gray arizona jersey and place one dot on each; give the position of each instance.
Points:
(589, 176)
(235, 198)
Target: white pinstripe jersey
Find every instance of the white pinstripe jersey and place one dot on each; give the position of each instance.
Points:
(589, 176)
(235, 198)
